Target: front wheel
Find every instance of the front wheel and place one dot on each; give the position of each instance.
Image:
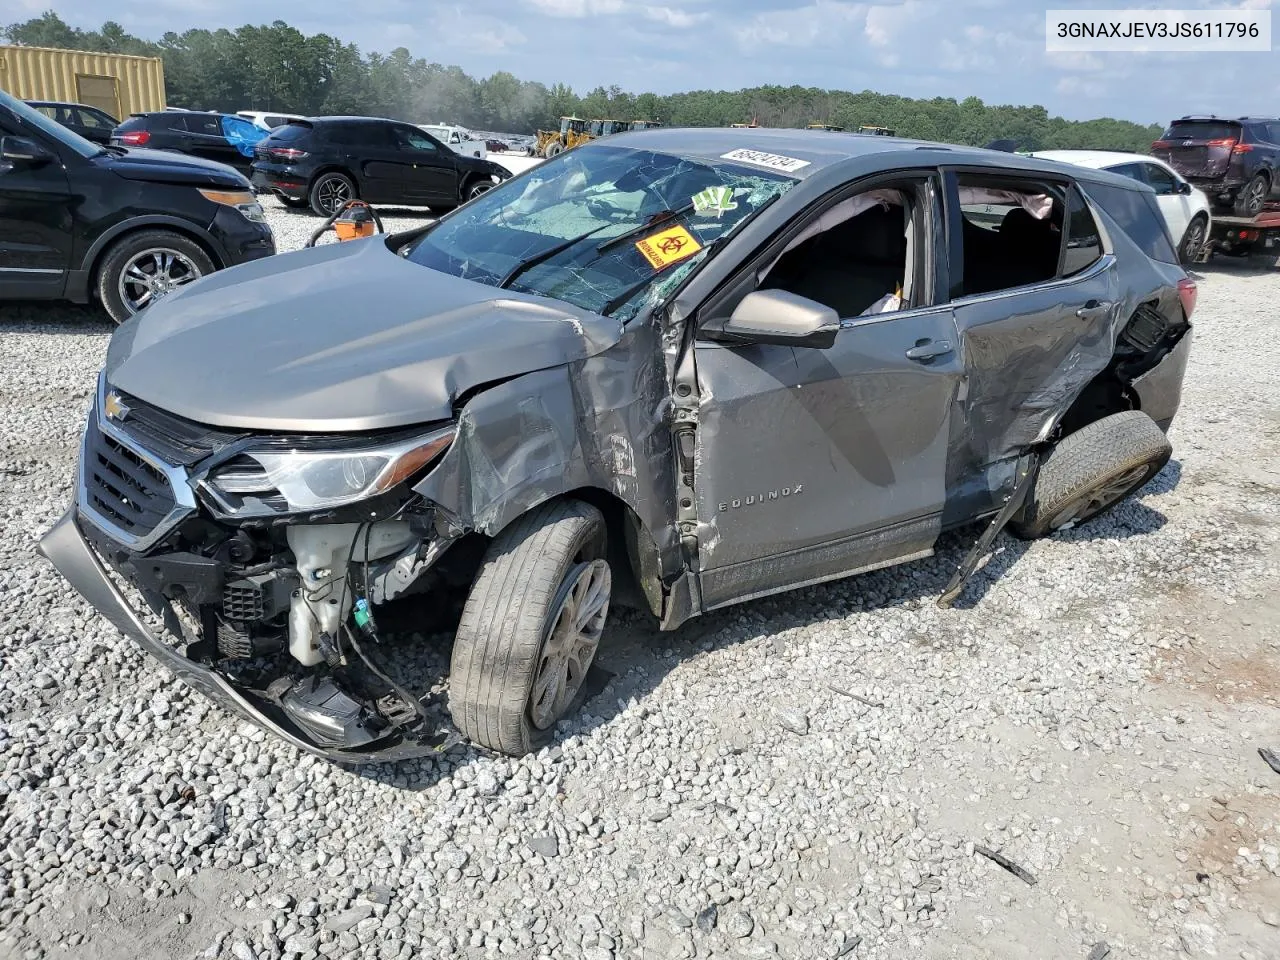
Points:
(1088, 472)
(531, 627)
(1252, 196)
(147, 266)
(1192, 241)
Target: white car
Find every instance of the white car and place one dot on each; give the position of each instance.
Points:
(266, 120)
(1186, 210)
(458, 139)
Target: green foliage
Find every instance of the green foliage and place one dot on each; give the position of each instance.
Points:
(277, 67)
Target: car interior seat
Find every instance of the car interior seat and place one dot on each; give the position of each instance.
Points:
(850, 266)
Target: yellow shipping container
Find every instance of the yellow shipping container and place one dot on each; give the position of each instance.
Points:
(114, 82)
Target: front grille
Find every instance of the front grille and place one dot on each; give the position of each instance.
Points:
(172, 438)
(123, 488)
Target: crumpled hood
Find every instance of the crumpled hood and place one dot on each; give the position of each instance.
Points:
(346, 336)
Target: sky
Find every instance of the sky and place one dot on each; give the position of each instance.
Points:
(992, 49)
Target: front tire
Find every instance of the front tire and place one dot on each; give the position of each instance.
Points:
(478, 187)
(143, 267)
(530, 628)
(329, 192)
(1192, 241)
(1252, 196)
(1088, 472)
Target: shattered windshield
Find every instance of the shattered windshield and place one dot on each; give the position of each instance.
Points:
(606, 229)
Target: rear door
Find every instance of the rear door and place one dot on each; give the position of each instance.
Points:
(1199, 149)
(1033, 299)
(206, 139)
(36, 224)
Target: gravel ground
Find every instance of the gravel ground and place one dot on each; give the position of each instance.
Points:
(805, 776)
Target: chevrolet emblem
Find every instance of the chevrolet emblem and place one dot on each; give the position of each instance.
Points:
(114, 407)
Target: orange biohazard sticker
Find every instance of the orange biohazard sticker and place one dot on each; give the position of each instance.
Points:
(668, 246)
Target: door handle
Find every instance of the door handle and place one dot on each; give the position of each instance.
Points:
(926, 351)
(1093, 309)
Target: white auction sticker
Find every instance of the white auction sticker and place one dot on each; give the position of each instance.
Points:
(1140, 31)
(774, 161)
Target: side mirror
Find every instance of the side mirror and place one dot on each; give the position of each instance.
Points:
(1183, 188)
(21, 150)
(776, 316)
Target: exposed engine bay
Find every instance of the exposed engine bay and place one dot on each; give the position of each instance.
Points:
(283, 610)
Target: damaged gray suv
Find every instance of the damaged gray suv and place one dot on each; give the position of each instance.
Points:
(676, 369)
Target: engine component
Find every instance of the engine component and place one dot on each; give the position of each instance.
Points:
(259, 597)
(331, 717)
(323, 553)
(238, 641)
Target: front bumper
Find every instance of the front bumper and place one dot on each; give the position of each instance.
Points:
(66, 547)
(241, 239)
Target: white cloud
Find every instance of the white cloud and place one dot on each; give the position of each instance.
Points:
(1075, 86)
(884, 23)
(577, 8)
(825, 22)
(681, 19)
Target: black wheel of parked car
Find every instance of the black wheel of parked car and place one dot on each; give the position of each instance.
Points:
(1253, 196)
(531, 627)
(1088, 472)
(477, 187)
(141, 268)
(1192, 240)
(329, 192)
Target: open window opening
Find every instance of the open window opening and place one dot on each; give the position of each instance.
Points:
(857, 256)
(1012, 234)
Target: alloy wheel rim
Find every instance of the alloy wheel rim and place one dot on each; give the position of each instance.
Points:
(153, 274)
(1257, 193)
(1099, 498)
(570, 643)
(332, 193)
(1195, 237)
(478, 189)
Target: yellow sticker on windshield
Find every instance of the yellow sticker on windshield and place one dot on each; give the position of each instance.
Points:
(668, 246)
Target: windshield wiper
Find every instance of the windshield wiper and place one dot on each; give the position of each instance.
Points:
(649, 224)
(546, 255)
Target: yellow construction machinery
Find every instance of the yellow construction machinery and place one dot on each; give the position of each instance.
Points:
(823, 126)
(877, 131)
(573, 131)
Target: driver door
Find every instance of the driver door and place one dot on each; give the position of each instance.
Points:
(814, 464)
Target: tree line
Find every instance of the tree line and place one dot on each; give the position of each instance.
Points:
(278, 68)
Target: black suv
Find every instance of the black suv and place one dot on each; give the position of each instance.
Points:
(90, 122)
(191, 132)
(78, 220)
(1234, 161)
(325, 161)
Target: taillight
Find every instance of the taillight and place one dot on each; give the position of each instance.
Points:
(1187, 294)
(1242, 148)
(1222, 142)
(1160, 145)
(135, 138)
(288, 154)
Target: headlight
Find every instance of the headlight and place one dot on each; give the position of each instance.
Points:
(315, 480)
(242, 200)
